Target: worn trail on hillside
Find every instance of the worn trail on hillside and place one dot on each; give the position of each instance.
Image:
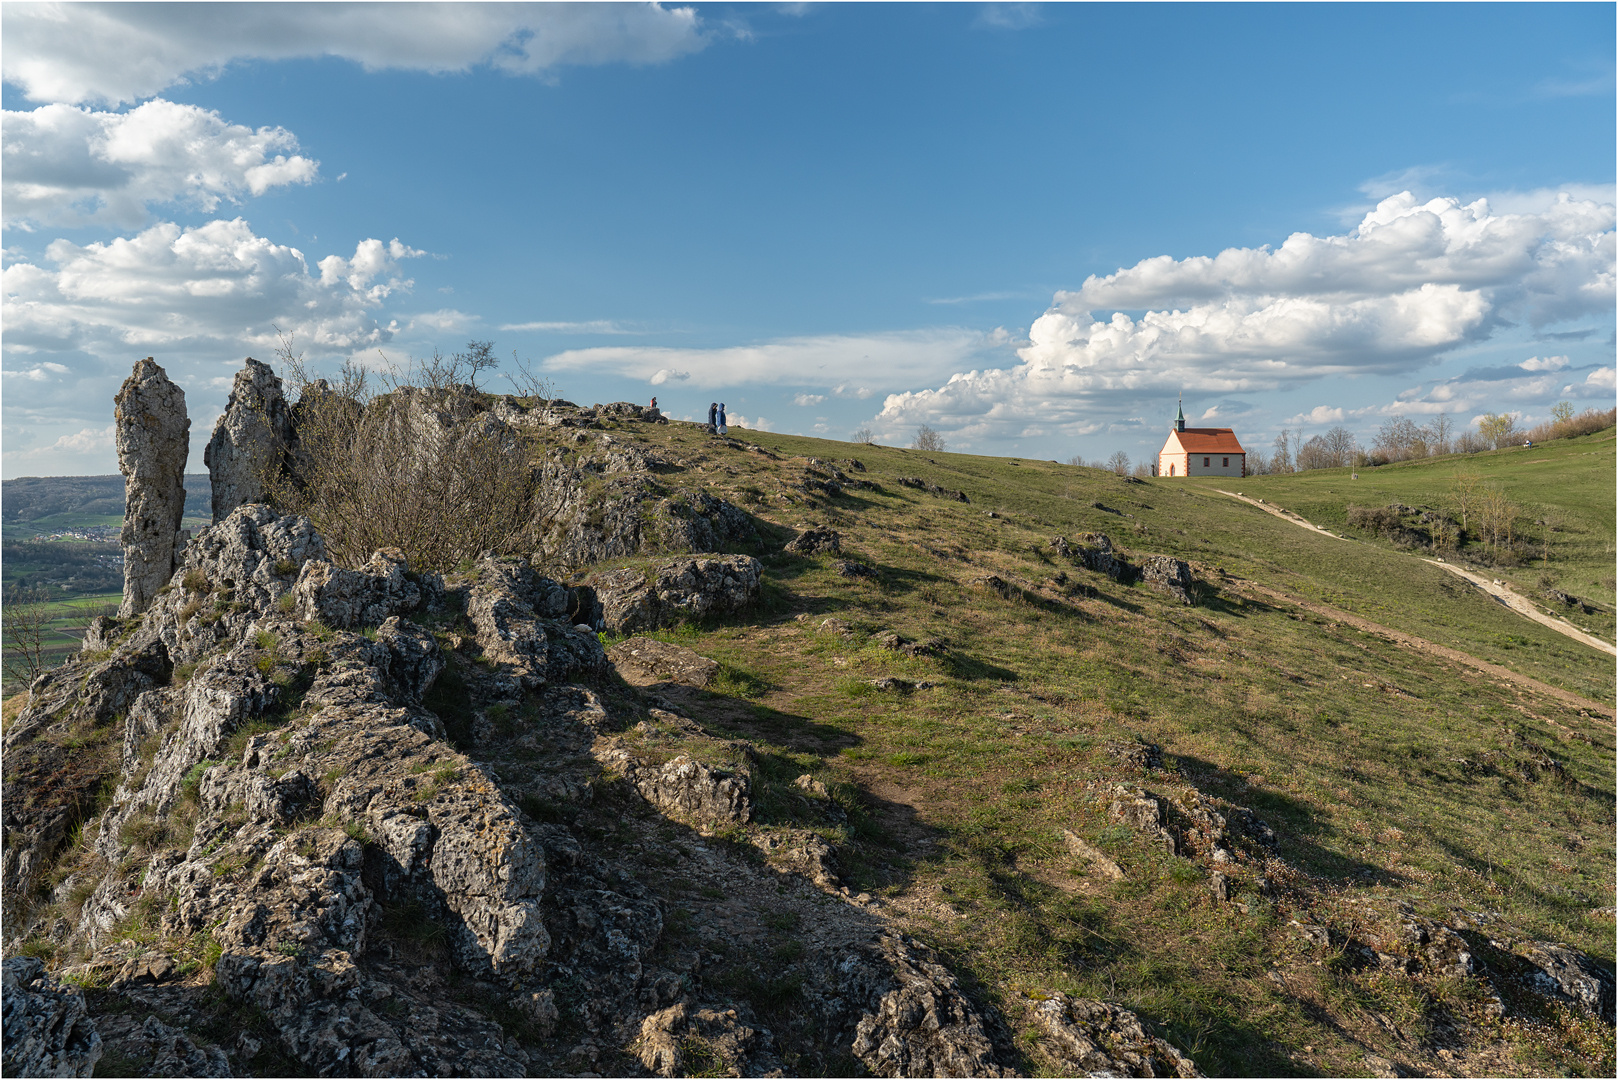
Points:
(1567, 697)
(1499, 591)
(1507, 596)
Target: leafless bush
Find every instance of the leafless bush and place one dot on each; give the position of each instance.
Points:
(928, 439)
(527, 382)
(1119, 463)
(1565, 424)
(1378, 519)
(25, 618)
(865, 436)
(423, 469)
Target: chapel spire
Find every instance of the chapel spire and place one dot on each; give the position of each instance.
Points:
(1179, 419)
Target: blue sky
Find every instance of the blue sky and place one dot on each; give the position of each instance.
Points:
(1028, 226)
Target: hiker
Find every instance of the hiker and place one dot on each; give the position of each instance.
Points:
(721, 418)
(713, 417)
(654, 402)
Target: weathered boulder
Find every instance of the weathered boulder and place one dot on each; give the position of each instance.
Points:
(154, 438)
(933, 489)
(906, 1010)
(687, 789)
(675, 590)
(1096, 859)
(1173, 576)
(818, 541)
(1094, 1038)
(251, 438)
(644, 660)
(47, 1030)
(518, 617)
(346, 599)
(1563, 974)
(1095, 549)
(680, 1039)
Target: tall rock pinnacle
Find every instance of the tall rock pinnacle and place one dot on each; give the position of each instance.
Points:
(253, 433)
(154, 438)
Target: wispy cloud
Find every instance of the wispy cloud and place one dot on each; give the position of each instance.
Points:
(592, 326)
(851, 363)
(979, 298)
(1010, 16)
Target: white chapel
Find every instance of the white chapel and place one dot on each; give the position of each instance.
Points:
(1201, 451)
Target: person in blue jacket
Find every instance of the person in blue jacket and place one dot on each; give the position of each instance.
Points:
(721, 418)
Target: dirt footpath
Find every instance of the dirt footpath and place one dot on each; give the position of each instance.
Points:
(1507, 596)
(1496, 589)
(1578, 701)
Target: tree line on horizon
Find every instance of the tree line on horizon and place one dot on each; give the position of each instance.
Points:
(1398, 439)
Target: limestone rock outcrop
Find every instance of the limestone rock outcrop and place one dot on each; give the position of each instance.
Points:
(251, 438)
(680, 1040)
(47, 1031)
(643, 660)
(525, 625)
(1094, 1038)
(817, 541)
(1172, 576)
(675, 590)
(153, 438)
(906, 1010)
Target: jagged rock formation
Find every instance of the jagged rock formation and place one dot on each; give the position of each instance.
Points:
(291, 822)
(46, 1030)
(153, 437)
(674, 591)
(908, 1013)
(816, 542)
(1094, 1038)
(1173, 576)
(251, 437)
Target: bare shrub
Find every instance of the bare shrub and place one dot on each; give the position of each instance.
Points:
(1378, 519)
(865, 436)
(1119, 463)
(424, 469)
(1565, 424)
(25, 618)
(928, 439)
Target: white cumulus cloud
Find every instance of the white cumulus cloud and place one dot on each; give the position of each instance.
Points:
(58, 52)
(1413, 281)
(217, 285)
(73, 166)
(807, 400)
(1602, 379)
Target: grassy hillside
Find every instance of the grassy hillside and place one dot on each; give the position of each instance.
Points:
(1564, 489)
(1397, 780)
(1393, 777)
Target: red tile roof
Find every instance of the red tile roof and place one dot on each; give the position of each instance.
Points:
(1208, 440)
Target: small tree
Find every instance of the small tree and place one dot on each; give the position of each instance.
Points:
(1442, 427)
(1468, 488)
(1281, 460)
(1119, 463)
(928, 439)
(1562, 412)
(478, 358)
(865, 436)
(1498, 429)
(25, 619)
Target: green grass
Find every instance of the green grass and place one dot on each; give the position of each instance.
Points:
(1388, 773)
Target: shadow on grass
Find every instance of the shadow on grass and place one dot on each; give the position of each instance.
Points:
(1300, 830)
